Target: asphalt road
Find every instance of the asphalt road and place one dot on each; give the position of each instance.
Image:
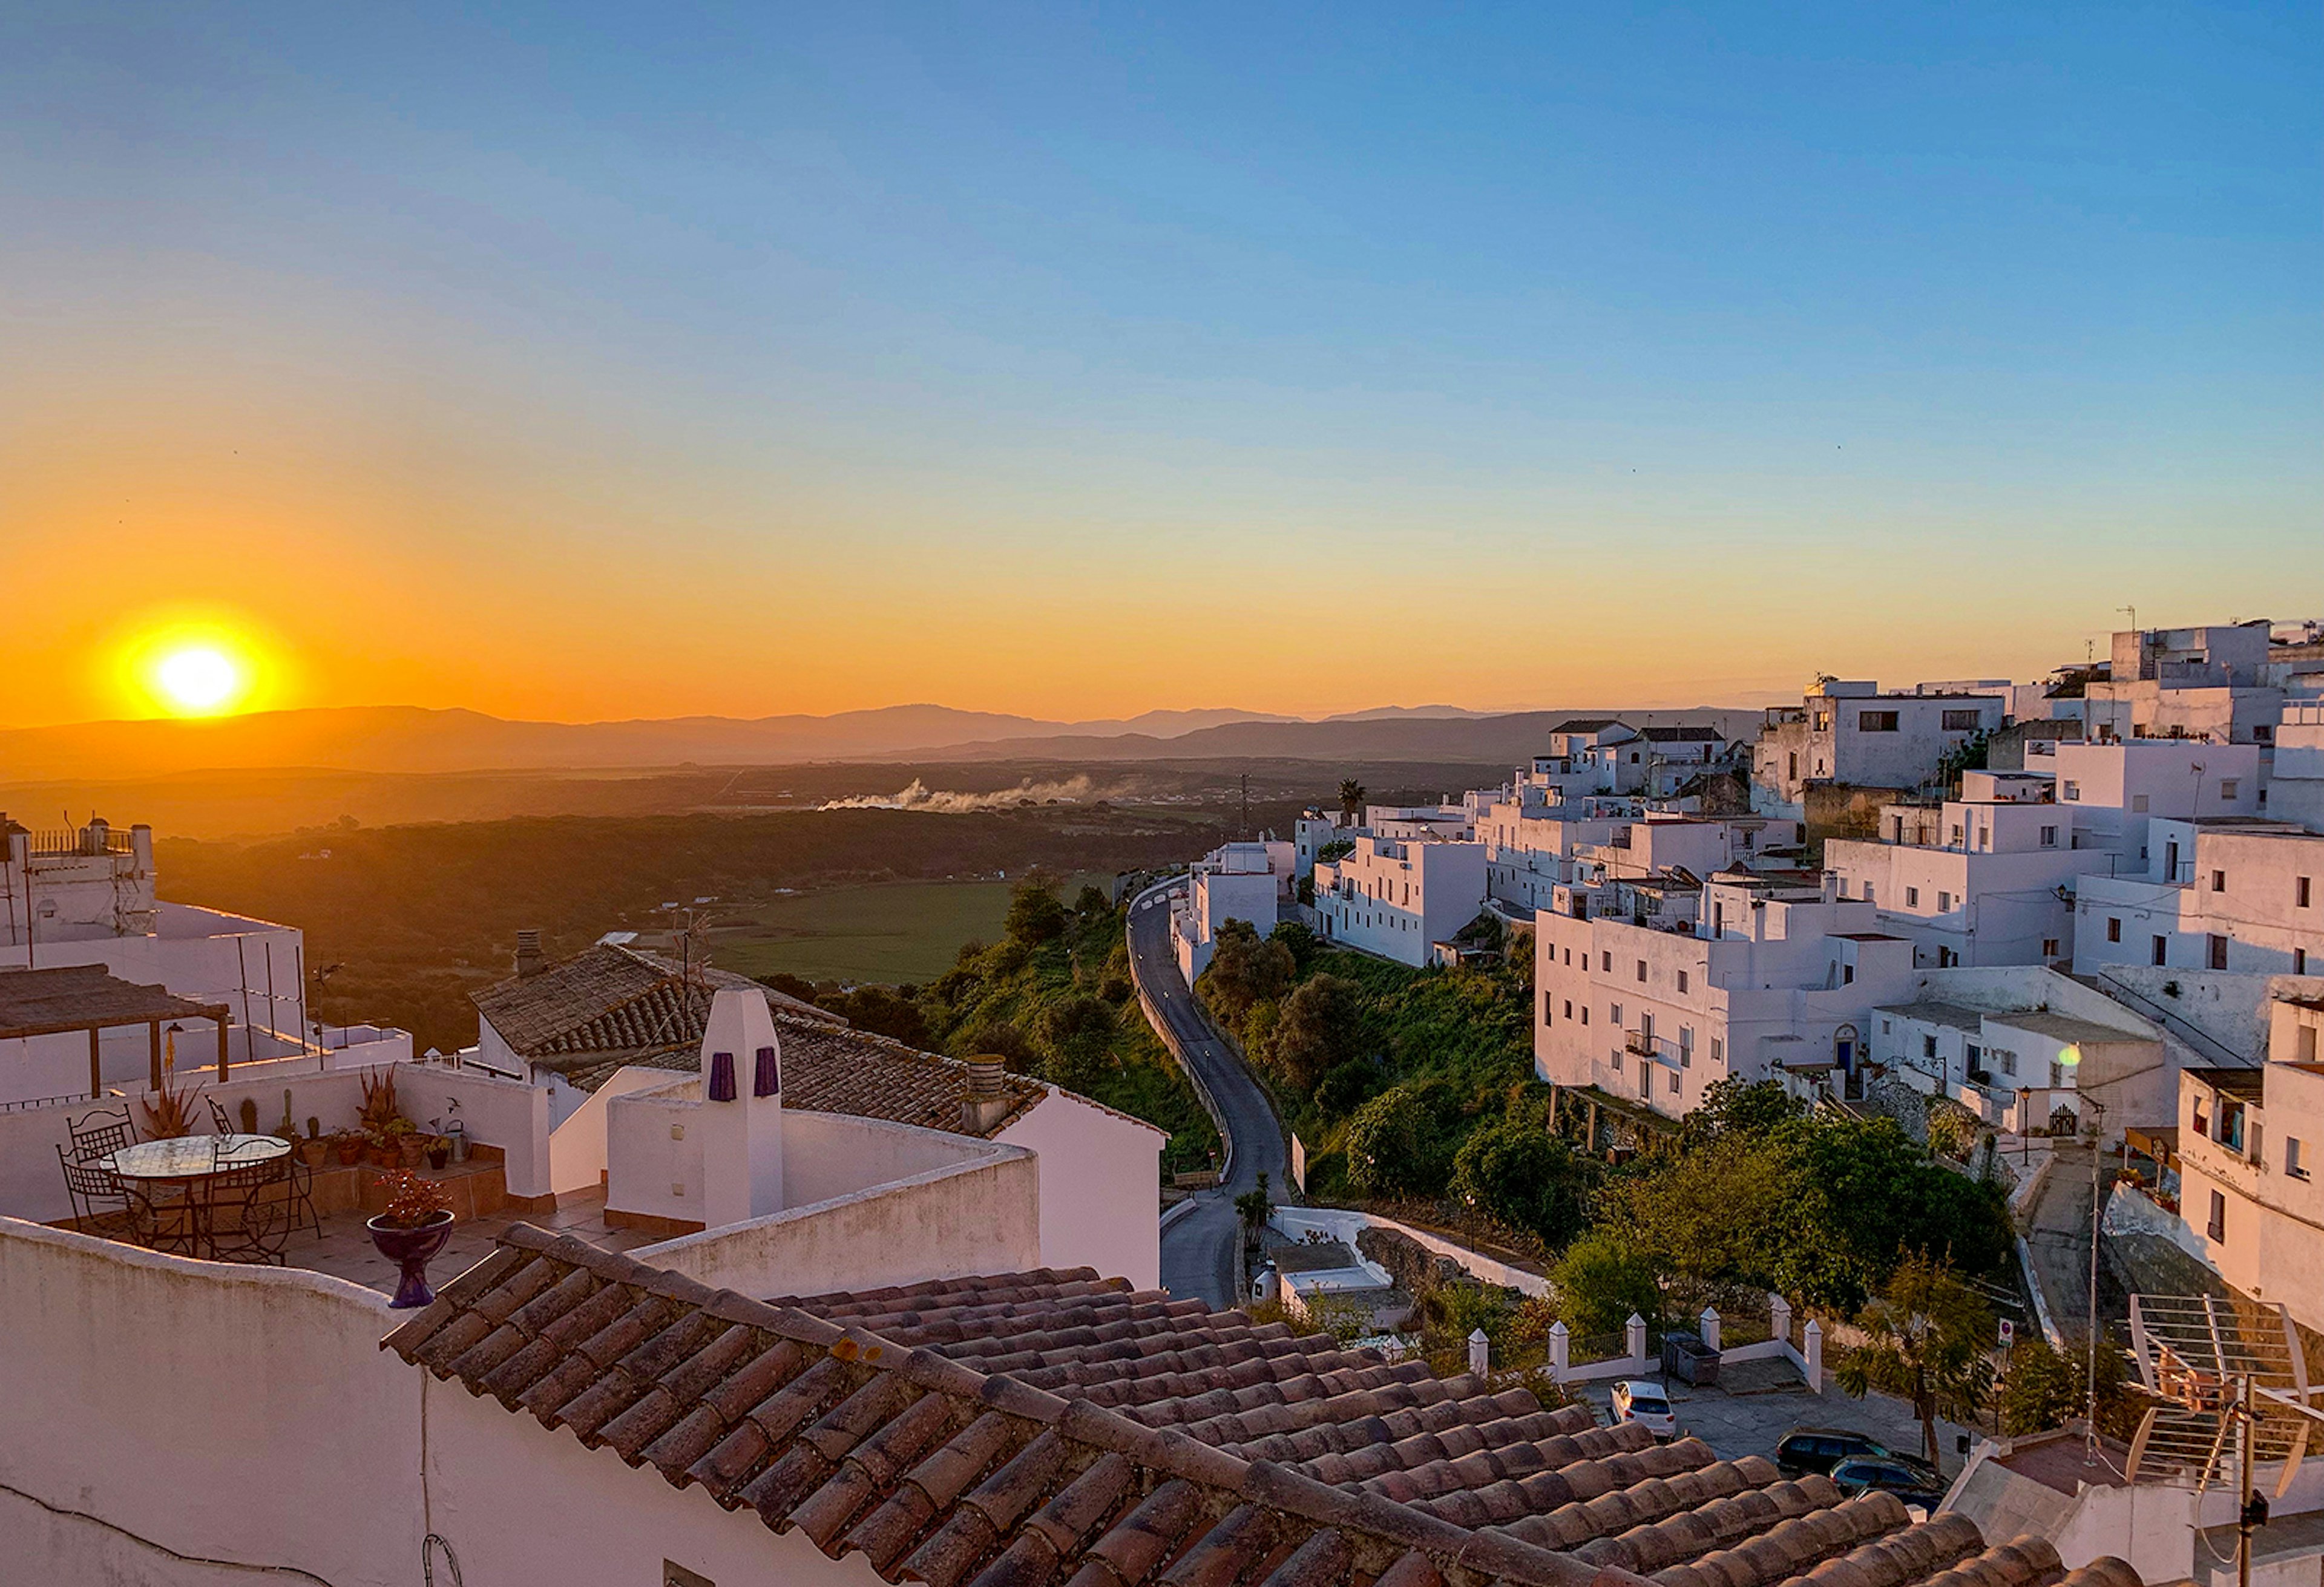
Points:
(1199, 1253)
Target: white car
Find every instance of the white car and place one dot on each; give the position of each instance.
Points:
(1646, 1405)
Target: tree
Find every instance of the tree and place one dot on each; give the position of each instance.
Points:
(1928, 1332)
(1393, 1146)
(1295, 937)
(1244, 969)
(1035, 915)
(1254, 1207)
(1514, 1171)
(1352, 797)
(1751, 1107)
(1602, 1281)
(1347, 1087)
(1322, 1027)
(1091, 902)
(2045, 1388)
(1077, 1034)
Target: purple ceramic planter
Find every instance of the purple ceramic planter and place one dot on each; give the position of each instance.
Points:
(411, 1249)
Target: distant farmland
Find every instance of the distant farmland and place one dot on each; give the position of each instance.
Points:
(896, 932)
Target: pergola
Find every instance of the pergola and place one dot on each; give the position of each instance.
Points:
(89, 997)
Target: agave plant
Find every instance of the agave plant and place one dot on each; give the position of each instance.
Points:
(170, 1114)
(380, 1108)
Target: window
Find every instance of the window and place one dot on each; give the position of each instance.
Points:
(2219, 1229)
(2304, 1044)
(2073, 789)
(1614, 1014)
(1569, 1008)
(2219, 881)
(1674, 1079)
(1682, 980)
(1961, 721)
(1569, 956)
(1876, 721)
(2299, 961)
(1585, 1013)
(1793, 772)
(2219, 951)
(1546, 1018)
(1944, 902)
(2113, 928)
(1911, 898)
(2049, 948)
(1642, 970)
(2301, 893)
(2049, 837)
(2291, 1163)
(1686, 1047)
(1928, 1047)
(1618, 1060)
(1606, 962)
(1868, 894)
(2139, 804)
(2262, 733)
(2008, 1061)
(2162, 951)
(1847, 975)
(1956, 833)
(1718, 1051)
(2226, 787)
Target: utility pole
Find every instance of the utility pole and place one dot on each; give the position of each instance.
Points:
(2250, 1510)
(1246, 804)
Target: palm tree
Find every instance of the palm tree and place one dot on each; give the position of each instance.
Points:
(1352, 797)
(1929, 1333)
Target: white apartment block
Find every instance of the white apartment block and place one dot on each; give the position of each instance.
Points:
(1768, 979)
(2115, 789)
(1851, 732)
(2220, 893)
(2248, 1144)
(1234, 882)
(2210, 683)
(1985, 879)
(1398, 897)
(2296, 793)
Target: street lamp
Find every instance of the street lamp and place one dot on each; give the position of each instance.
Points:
(2070, 1059)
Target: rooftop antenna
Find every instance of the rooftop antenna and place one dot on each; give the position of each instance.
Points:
(2133, 610)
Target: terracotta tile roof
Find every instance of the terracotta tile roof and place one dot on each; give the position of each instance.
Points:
(1055, 1429)
(608, 1005)
(832, 1068)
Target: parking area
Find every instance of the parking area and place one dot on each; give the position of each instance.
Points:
(1737, 1425)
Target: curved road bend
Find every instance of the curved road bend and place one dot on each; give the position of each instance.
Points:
(1199, 1255)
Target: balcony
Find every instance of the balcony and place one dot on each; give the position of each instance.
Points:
(1659, 1048)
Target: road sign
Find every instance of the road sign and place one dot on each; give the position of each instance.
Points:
(2008, 1332)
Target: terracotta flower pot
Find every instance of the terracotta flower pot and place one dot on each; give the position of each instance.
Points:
(313, 1152)
(411, 1249)
(437, 1155)
(350, 1152)
(384, 1156)
(411, 1152)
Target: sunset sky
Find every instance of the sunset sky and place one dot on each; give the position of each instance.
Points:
(586, 362)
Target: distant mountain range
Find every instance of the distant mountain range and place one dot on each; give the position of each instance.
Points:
(408, 738)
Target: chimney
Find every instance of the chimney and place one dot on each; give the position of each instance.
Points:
(986, 1102)
(530, 960)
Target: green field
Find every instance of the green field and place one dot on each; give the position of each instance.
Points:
(896, 932)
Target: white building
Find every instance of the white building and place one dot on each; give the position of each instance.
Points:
(2249, 1141)
(2296, 793)
(1399, 897)
(1234, 882)
(1982, 880)
(2208, 683)
(2220, 892)
(87, 897)
(1770, 980)
(1851, 732)
(2014, 1044)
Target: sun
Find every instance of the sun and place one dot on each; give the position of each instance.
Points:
(202, 666)
(199, 679)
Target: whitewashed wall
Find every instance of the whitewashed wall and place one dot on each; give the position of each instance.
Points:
(1100, 1178)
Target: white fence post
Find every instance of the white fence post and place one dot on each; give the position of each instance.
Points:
(1480, 1352)
(1710, 1326)
(1812, 1335)
(1559, 1341)
(1634, 1338)
(1779, 1316)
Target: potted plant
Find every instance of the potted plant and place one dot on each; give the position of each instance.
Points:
(313, 1149)
(410, 1145)
(413, 1229)
(440, 1151)
(379, 1146)
(348, 1144)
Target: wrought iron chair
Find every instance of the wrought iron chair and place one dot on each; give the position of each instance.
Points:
(97, 1198)
(224, 1125)
(100, 1132)
(163, 1217)
(302, 1197)
(247, 1213)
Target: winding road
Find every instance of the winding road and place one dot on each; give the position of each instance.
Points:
(1199, 1255)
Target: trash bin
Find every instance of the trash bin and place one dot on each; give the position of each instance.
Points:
(1689, 1360)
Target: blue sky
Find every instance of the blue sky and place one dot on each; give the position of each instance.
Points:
(1906, 341)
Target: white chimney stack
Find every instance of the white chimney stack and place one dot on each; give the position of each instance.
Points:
(741, 1130)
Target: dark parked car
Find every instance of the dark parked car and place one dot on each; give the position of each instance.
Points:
(1819, 1449)
(1909, 1479)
